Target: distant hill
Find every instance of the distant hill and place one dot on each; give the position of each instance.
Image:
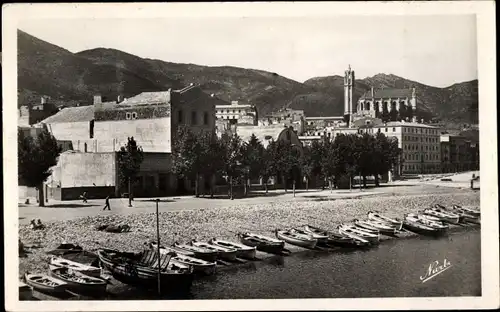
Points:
(70, 78)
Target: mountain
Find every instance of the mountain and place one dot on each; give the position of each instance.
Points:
(70, 78)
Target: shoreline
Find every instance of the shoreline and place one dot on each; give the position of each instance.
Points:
(222, 223)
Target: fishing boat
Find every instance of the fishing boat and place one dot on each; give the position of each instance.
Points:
(427, 221)
(224, 253)
(45, 283)
(421, 215)
(419, 226)
(58, 262)
(365, 226)
(353, 231)
(198, 265)
(382, 227)
(261, 242)
(335, 238)
(138, 269)
(297, 239)
(375, 216)
(321, 238)
(466, 214)
(469, 211)
(79, 282)
(443, 215)
(198, 252)
(242, 251)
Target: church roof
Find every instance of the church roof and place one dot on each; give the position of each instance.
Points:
(388, 93)
(72, 114)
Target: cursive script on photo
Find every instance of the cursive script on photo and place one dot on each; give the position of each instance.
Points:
(435, 268)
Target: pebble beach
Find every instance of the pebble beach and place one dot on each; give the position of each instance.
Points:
(220, 222)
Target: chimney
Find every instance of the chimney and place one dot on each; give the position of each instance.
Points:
(43, 100)
(97, 99)
(234, 102)
(373, 93)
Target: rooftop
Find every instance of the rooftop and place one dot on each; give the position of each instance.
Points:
(72, 114)
(405, 124)
(149, 98)
(388, 93)
(326, 118)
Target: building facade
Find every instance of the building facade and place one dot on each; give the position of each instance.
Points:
(237, 113)
(30, 115)
(420, 145)
(286, 117)
(151, 118)
(458, 153)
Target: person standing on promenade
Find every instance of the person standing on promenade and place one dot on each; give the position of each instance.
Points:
(107, 204)
(84, 197)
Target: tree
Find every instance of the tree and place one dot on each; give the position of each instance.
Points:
(385, 155)
(214, 157)
(394, 114)
(366, 145)
(253, 152)
(287, 159)
(307, 164)
(233, 159)
(36, 157)
(129, 161)
(385, 116)
(189, 156)
(268, 168)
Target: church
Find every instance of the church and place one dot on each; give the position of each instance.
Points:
(384, 104)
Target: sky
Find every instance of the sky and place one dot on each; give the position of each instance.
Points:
(437, 50)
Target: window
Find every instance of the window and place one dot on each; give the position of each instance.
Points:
(385, 129)
(205, 118)
(134, 115)
(180, 116)
(91, 125)
(85, 147)
(128, 116)
(393, 129)
(193, 118)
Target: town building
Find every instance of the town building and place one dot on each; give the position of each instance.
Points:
(315, 123)
(237, 113)
(286, 117)
(458, 153)
(98, 131)
(419, 143)
(31, 114)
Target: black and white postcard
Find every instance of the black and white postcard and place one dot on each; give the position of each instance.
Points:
(194, 156)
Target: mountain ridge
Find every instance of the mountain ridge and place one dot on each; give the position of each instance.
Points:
(47, 69)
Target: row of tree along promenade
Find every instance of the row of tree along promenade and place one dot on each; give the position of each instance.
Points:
(235, 161)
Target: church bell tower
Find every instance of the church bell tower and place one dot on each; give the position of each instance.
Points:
(348, 93)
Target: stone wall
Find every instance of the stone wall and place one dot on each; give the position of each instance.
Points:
(87, 170)
(70, 130)
(141, 112)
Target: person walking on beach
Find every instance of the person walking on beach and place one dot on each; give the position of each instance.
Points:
(84, 197)
(107, 204)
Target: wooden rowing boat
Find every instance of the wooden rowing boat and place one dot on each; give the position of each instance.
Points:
(225, 253)
(353, 231)
(261, 242)
(198, 252)
(242, 251)
(335, 238)
(424, 219)
(321, 238)
(45, 283)
(375, 216)
(381, 227)
(443, 215)
(58, 262)
(198, 265)
(138, 269)
(420, 226)
(297, 239)
(79, 282)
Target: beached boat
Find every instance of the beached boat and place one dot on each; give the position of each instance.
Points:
(78, 282)
(335, 238)
(58, 262)
(45, 283)
(224, 253)
(261, 242)
(353, 231)
(138, 269)
(466, 210)
(195, 251)
(242, 251)
(424, 219)
(321, 238)
(465, 214)
(419, 226)
(382, 227)
(199, 265)
(443, 215)
(297, 239)
(375, 216)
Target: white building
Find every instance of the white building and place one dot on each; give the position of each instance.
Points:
(237, 113)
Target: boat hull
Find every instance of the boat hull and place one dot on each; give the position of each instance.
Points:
(242, 251)
(31, 280)
(98, 288)
(208, 268)
(398, 225)
(207, 256)
(56, 263)
(311, 244)
(421, 229)
(373, 239)
(264, 246)
(222, 253)
(138, 275)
